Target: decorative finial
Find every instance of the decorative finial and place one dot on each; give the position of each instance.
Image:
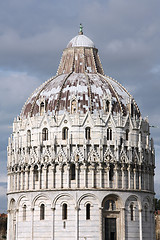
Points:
(81, 29)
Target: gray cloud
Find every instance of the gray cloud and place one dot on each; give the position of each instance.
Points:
(34, 33)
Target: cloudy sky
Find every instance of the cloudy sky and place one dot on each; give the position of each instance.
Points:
(33, 34)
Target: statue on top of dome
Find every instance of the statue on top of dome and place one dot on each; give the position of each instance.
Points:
(81, 29)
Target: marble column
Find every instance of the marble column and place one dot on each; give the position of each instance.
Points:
(85, 175)
(101, 223)
(93, 180)
(77, 222)
(32, 177)
(108, 181)
(140, 179)
(140, 224)
(135, 177)
(116, 174)
(32, 223)
(68, 175)
(129, 176)
(123, 176)
(39, 177)
(101, 176)
(77, 175)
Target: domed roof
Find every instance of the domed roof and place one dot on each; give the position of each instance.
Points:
(80, 78)
(80, 41)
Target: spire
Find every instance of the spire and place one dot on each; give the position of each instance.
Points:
(81, 29)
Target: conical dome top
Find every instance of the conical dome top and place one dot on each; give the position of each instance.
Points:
(80, 78)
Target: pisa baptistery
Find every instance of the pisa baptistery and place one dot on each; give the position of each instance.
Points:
(80, 158)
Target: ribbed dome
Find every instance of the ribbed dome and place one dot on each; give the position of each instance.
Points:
(80, 77)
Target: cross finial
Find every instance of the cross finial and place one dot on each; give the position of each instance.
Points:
(81, 29)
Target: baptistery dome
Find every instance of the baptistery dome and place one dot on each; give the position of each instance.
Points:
(80, 158)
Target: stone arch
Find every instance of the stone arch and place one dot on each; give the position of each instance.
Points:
(41, 195)
(133, 198)
(20, 199)
(114, 197)
(62, 195)
(85, 196)
(12, 204)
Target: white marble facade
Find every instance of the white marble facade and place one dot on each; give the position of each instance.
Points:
(84, 175)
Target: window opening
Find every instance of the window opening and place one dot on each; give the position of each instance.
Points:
(88, 211)
(64, 133)
(64, 211)
(36, 173)
(131, 208)
(73, 172)
(88, 133)
(146, 213)
(127, 134)
(42, 212)
(44, 134)
(111, 173)
(109, 134)
(24, 212)
(42, 108)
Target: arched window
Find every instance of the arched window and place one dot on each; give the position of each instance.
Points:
(36, 173)
(146, 213)
(29, 136)
(42, 211)
(73, 171)
(88, 211)
(127, 134)
(109, 134)
(64, 133)
(110, 205)
(73, 106)
(132, 109)
(64, 211)
(42, 108)
(132, 212)
(88, 133)
(24, 212)
(44, 134)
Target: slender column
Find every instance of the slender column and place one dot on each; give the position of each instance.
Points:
(100, 223)
(135, 176)
(68, 176)
(77, 223)
(26, 179)
(85, 176)
(108, 169)
(148, 174)
(39, 177)
(32, 177)
(32, 223)
(9, 182)
(53, 176)
(45, 177)
(140, 179)
(60, 169)
(129, 176)
(151, 227)
(17, 211)
(123, 169)
(53, 222)
(116, 173)
(101, 176)
(123, 223)
(93, 182)
(8, 224)
(17, 180)
(77, 173)
(140, 224)
(22, 179)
